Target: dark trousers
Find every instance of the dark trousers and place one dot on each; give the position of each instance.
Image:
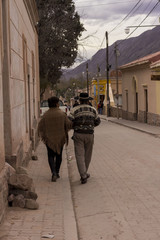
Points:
(54, 160)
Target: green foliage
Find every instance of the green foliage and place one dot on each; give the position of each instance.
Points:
(59, 29)
(69, 89)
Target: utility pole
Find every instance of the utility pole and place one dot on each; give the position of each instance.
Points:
(116, 69)
(107, 75)
(98, 71)
(87, 78)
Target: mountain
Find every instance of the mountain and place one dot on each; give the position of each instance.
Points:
(130, 50)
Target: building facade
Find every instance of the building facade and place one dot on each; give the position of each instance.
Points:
(140, 90)
(19, 86)
(98, 91)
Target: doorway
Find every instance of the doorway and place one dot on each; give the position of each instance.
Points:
(126, 104)
(135, 98)
(145, 104)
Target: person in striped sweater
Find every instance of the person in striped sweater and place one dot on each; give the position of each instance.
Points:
(84, 118)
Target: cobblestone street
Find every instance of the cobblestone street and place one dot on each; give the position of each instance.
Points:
(122, 198)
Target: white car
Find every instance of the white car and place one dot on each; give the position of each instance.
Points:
(44, 107)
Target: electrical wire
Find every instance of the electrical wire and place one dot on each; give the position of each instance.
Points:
(133, 10)
(125, 16)
(103, 4)
(143, 12)
(121, 21)
(140, 22)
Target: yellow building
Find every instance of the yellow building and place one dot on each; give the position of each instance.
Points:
(98, 92)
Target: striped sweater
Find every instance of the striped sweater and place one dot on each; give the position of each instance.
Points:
(84, 118)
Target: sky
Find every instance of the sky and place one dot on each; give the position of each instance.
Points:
(113, 16)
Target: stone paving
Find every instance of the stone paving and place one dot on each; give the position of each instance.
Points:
(121, 200)
(55, 215)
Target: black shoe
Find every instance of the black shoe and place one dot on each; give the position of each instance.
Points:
(84, 180)
(54, 178)
(58, 175)
(88, 175)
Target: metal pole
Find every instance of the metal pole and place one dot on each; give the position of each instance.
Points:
(116, 68)
(87, 78)
(98, 69)
(107, 75)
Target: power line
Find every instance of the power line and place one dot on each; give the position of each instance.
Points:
(133, 10)
(121, 21)
(125, 16)
(103, 4)
(141, 22)
(91, 2)
(143, 9)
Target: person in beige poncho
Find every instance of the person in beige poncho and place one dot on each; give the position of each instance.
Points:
(53, 130)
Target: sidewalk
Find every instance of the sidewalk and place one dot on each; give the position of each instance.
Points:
(55, 215)
(142, 127)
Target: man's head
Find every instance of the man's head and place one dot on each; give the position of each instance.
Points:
(84, 98)
(53, 102)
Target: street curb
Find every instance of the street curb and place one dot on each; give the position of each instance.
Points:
(70, 225)
(134, 128)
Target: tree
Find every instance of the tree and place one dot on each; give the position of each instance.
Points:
(59, 30)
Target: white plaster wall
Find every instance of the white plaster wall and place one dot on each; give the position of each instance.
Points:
(2, 161)
(20, 25)
(126, 85)
(158, 97)
(143, 76)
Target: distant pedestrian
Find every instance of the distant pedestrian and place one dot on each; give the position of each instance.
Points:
(100, 107)
(53, 129)
(84, 118)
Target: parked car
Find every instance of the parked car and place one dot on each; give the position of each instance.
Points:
(44, 107)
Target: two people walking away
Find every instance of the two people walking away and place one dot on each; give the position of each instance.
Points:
(100, 107)
(84, 118)
(53, 130)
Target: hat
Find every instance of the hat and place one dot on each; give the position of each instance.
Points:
(76, 98)
(83, 96)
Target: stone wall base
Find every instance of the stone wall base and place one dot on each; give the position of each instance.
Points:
(150, 118)
(4, 177)
(153, 119)
(129, 115)
(113, 112)
(142, 116)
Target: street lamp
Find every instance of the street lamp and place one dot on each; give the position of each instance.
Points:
(127, 29)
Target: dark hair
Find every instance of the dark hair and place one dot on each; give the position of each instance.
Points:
(52, 102)
(84, 101)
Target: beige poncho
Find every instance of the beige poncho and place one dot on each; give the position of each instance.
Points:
(53, 129)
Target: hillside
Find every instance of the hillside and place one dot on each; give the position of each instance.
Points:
(130, 50)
